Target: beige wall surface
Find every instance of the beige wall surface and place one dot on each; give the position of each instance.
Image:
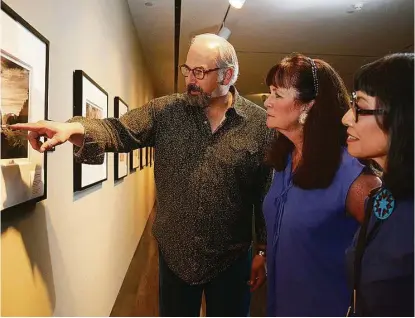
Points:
(69, 256)
(256, 98)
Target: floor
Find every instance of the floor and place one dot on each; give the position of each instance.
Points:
(138, 295)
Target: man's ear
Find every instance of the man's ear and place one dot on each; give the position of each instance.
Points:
(227, 77)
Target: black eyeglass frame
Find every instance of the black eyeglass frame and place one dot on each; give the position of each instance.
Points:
(204, 72)
(364, 112)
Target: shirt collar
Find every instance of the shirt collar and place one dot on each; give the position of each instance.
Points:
(238, 103)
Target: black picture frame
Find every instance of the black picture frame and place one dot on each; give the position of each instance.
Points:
(120, 108)
(147, 157)
(135, 157)
(16, 175)
(84, 90)
(141, 159)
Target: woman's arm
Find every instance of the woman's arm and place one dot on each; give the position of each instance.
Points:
(358, 193)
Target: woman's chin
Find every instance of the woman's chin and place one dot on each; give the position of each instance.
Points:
(353, 152)
(270, 123)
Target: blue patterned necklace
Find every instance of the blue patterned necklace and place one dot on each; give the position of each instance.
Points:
(383, 204)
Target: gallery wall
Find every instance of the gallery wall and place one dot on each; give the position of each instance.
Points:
(69, 256)
(258, 99)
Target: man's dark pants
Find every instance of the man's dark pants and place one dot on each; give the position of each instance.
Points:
(227, 295)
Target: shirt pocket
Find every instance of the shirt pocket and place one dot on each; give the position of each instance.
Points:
(239, 156)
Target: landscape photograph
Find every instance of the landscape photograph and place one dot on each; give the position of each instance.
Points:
(15, 92)
(93, 111)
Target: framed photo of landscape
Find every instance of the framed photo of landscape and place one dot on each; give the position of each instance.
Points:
(24, 98)
(90, 101)
(120, 159)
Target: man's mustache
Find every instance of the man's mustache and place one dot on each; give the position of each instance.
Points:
(201, 100)
(194, 88)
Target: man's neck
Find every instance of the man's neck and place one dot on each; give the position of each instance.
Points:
(217, 110)
(221, 102)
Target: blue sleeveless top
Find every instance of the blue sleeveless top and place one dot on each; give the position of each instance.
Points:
(308, 232)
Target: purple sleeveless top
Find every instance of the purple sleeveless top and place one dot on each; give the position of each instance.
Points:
(308, 232)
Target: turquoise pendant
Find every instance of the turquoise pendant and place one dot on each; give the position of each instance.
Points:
(384, 204)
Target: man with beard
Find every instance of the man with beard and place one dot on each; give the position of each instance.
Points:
(210, 179)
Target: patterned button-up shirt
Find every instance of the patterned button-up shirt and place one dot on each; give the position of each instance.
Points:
(209, 185)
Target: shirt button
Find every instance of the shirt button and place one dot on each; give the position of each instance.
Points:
(205, 122)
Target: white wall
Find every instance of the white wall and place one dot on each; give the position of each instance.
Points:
(70, 255)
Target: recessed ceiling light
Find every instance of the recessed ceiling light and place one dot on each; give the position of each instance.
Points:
(237, 4)
(358, 6)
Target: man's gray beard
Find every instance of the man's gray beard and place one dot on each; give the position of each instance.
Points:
(202, 100)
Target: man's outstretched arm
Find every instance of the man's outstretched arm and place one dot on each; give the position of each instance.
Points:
(94, 137)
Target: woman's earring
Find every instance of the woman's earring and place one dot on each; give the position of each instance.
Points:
(302, 118)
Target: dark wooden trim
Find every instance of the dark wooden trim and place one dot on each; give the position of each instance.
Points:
(177, 21)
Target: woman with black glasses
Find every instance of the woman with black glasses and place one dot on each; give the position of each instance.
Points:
(381, 128)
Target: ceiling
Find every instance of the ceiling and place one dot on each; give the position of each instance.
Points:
(264, 31)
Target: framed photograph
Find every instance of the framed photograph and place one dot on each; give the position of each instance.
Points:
(135, 159)
(24, 98)
(141, 158)
(120, 159)
(147, 156)
(91, 101)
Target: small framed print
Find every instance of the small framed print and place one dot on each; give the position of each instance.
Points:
(135, 159)
(120, 159)
(147, 156)
(24, 98)
(90, 101)
(141, 158)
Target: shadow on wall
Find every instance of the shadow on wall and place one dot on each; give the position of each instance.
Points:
(27, 286)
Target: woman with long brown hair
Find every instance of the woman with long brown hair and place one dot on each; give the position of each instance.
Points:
(317, 195)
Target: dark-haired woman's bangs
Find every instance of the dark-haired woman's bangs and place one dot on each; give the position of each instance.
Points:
(365, 80)
(281, 75)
